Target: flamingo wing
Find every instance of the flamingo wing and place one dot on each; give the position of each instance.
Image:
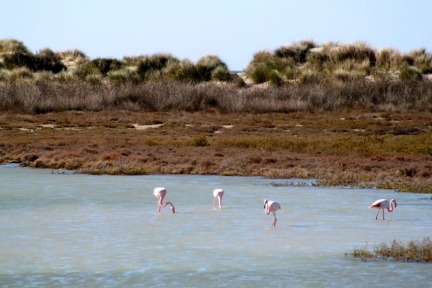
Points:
(157, 190)
(273, 206)
(217, 192)
(379, 203)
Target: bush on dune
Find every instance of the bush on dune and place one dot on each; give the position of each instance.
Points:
(298, 77)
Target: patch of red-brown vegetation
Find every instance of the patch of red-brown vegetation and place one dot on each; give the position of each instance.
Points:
(386, 150)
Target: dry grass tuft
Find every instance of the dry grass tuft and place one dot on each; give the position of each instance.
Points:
(413, 251)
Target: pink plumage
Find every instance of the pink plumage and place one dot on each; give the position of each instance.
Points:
(382, 204)
(272, 206)
(218, 194)
(160, 193)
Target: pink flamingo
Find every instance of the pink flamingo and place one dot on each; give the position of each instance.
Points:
(382, 204)
(218, 193)
(160, 193)
(272, 206)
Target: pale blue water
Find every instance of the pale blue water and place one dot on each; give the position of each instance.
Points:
(73, 230)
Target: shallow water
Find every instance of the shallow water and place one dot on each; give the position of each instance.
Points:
(73, 230)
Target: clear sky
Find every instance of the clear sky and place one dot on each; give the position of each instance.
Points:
(233, 30)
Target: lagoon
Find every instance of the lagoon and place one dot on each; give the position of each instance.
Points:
(76, 230)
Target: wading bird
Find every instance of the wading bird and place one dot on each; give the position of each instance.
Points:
(271, 206)
(160, 193)
(218, 193)
(382, 204)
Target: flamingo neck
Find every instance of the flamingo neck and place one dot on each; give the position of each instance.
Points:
(390, 207)
(168, 203)
(172, 206)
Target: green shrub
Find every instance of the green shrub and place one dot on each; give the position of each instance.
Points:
(17, 59)
(318, 57)
(105, 65)
(358, 52)
(45, 60)
(86, 69)
(298, 51)
(275, 78)
(206, 66)
(409, 73)
(267, 67)
(151, 66)
(290, 73)
(181, 71)
(422, 60)
(12, 45)
(221, 73)
(124, 76)
(98, 66)
(257, 69)
(388, 59)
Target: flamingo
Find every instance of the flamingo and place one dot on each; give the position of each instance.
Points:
(382, 204)
(218, 193)
(160, 193)
(272, 206)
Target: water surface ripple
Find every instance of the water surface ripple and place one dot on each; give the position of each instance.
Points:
(73, 230)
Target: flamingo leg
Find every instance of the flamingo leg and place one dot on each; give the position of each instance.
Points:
(160, 202)
(275, 219)
(220, 202)
(383, 214)
(159, 205)
(376, 217)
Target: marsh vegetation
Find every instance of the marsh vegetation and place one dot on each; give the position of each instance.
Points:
(413, 251)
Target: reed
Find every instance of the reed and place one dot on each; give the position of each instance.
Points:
(413, 251)
(93, 94)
